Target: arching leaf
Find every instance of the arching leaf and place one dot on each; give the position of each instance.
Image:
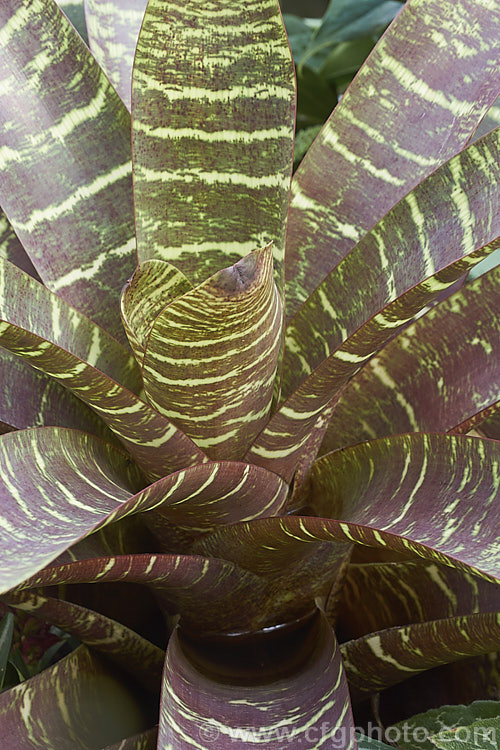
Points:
(384, 595)
(32, 399)
(79, 701)
(427, 495)
(64, 344)
(120, 644)
(379, 660)
(438, 373)
(206, 592)
(333, 334)
(55, 480)
(359, 167)
(66, 134)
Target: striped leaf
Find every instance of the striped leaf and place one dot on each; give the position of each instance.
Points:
(119, 644)
(202, 498)
(113, 28)
(334, 333)
(71, 349)
(12, 250)
(32, 399)
(376, 596)
(206, 592)
(426, 495)
(55, 479)
(433, 491)
(212, 354)
(154, 285)
(424, 380)
(78, 703)
(307, 708)
(66, 135)
(213, 114)
(403, 116)
(93, 485)
(379, 660)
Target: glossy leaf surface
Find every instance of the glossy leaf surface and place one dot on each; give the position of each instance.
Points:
(359, 167)
(213, 115)
(307, 707)
(65, 133)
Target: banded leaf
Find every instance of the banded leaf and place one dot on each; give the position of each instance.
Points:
(211, 356)
(430, 490)
(74, 483)
(379, 660)
(417, 239)
(117, 642)
(65, 133)
(213, 99)
(55, 480)
(420, 381)
(154, 285)
(80, 701)
(62, 343)
(333, 334)
(431, 496)
(203, 497)
(113, 29)
(358, 168)
(303, 709)
(207, 593)
(384, 595)
(32, 399)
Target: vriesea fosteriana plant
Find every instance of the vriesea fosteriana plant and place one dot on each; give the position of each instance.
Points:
(227, 428)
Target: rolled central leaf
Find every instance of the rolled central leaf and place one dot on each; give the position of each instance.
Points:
(211, 356)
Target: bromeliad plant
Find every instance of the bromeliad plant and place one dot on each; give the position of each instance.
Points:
(172, 443)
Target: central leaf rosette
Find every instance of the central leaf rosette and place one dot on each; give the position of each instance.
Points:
(208, 354)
